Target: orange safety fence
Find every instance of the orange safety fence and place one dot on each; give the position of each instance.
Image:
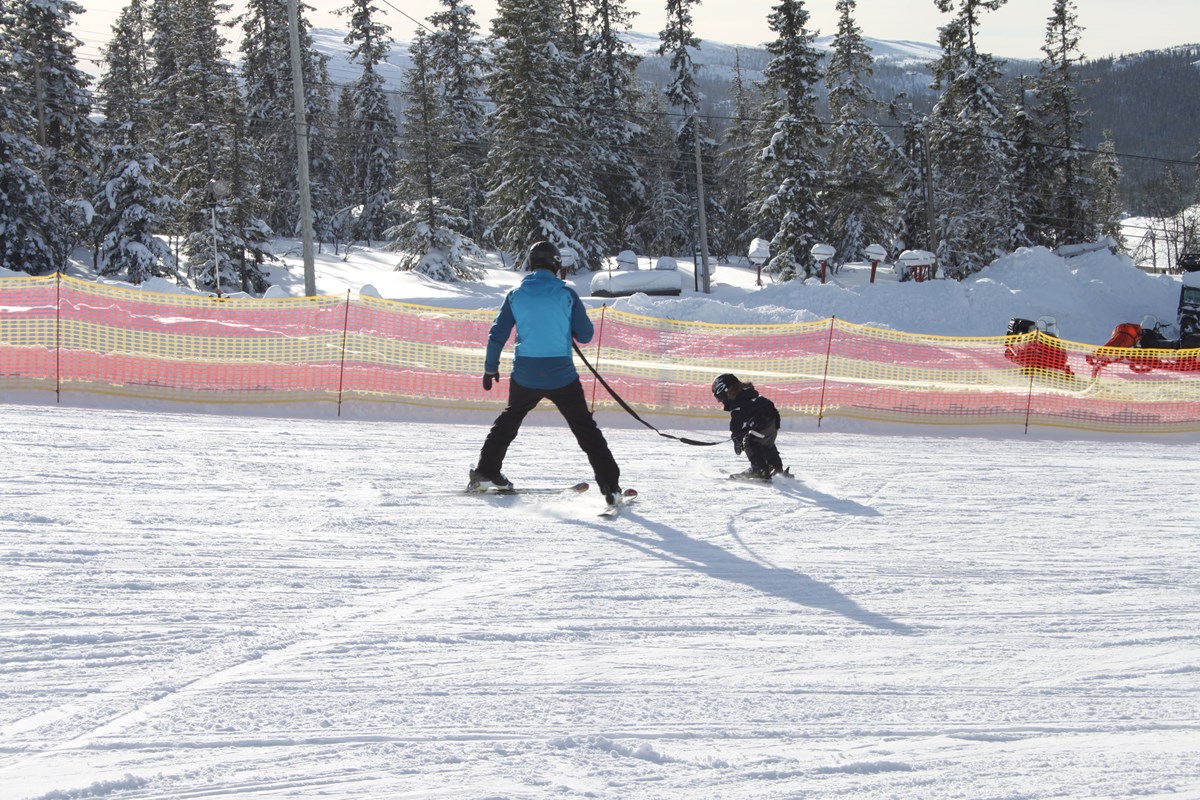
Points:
(66, 335)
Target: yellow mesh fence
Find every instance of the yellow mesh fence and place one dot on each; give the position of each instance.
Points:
(66, 335)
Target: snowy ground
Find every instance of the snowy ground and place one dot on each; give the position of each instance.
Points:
(202, 607)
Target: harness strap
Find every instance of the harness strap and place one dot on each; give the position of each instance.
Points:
(621, 402)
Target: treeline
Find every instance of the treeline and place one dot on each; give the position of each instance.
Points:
(177, 164)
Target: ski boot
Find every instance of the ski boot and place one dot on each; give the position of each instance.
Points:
(494, 484)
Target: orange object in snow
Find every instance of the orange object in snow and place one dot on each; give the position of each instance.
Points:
(1127, 334)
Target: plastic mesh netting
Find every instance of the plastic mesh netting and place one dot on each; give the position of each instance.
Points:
(66, 335)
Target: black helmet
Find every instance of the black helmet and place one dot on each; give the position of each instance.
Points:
(722, 385)
(543, 255)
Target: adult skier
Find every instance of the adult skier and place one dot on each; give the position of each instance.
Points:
(548, 315)
(753, 426)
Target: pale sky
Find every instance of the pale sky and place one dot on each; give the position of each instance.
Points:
(1111, 27)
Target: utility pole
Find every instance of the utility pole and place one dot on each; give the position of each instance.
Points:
(700, 219)
(217, 191)
(306, 231)
(929, 215)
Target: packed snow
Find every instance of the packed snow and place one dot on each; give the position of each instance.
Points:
(234, 606)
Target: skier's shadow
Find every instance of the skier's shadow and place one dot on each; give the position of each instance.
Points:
(810, 496)
(678, 548)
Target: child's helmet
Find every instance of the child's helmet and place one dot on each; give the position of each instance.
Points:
(722, 385)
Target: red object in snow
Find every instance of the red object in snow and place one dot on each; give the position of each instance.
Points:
(1042, 352)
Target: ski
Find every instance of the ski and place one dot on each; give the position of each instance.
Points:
(614, 509)
(544, 491)
(742, 477)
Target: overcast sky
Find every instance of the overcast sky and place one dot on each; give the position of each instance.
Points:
(1111, 27)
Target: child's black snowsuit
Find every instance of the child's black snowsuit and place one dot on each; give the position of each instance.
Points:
(753, 426)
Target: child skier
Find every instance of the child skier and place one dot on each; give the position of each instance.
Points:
(753, 426)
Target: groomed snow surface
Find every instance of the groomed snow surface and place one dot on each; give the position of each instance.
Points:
(203, 607)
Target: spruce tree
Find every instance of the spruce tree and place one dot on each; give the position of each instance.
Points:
(971, 153)
(665, 227)
(738, 164)
(1106, 191)
(540, 186)
(791, 172)
(911, 215)
(862, 159)
(1029, 176)
(677, 40)
(369, 125)
(456, 64)
(132, 195)
(610, 97)
(56, 93)
(1061, 120)
(201, 144)
(267, 84)
(27, 211)
(430, 235)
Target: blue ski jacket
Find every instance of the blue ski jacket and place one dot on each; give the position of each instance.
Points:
(547, 314)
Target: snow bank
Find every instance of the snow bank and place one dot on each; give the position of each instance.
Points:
(1087, 293)
(665, 279)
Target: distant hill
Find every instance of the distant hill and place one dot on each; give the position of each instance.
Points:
(1150, 100)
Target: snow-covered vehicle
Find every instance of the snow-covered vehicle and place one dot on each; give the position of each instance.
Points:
(1144, 348)
(1040, 352)
(1189, 300)
(1128, 338)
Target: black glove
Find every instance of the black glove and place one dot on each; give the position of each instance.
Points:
(740, 444)
(488, 377)
(737, 446)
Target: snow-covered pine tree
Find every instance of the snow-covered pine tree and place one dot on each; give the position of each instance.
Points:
(200, 144)
(790, 170)
(911, 218)
(27, 215)
(540, 186)
(1106, 191)
(267, 83)
(125, 86)
(162, 37)
(132, 194)
(59, 102)
(610, 99)
(666, 225)
(128, 212)
(1061, 119)
(372, 126)
(1028, 174)
(253, 232)
(456, 62)
(862, 158)
(738, 164)
(429, 236)
(971, 154)
(677, 40)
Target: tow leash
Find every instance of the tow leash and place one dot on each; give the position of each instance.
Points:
(621, 402)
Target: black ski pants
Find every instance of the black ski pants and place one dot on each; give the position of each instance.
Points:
(761, 451)
(572, 404)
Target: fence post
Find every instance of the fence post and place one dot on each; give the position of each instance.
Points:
(1029, 401)
(342, 366)
(599, 339)
(58, 337)
(825, 377)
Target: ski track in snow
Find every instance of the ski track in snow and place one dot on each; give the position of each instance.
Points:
(200, 607)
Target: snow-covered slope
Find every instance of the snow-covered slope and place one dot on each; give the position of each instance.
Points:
(224, 607)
